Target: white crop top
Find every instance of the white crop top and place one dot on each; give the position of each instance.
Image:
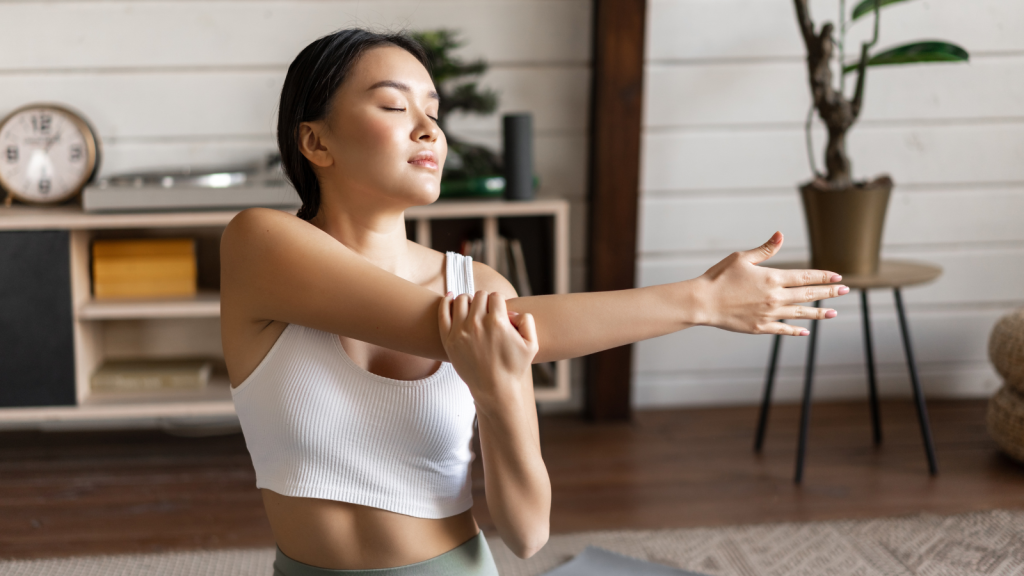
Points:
(319, 426)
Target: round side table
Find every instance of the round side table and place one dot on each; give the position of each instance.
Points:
(894, 274)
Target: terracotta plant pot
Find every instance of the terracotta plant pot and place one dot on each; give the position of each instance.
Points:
(845, 226)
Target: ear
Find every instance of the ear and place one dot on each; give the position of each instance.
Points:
(312, 145)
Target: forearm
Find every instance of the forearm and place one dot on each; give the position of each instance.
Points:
(572, 325)
(515, 478)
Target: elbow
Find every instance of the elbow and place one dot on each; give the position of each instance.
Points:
(526, 545)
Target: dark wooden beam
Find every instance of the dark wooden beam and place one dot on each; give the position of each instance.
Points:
(616, 100)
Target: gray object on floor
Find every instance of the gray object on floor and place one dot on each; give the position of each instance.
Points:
(600, 562)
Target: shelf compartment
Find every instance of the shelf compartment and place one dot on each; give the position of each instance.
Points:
(217, 390)
(205, 304)
(180, 405)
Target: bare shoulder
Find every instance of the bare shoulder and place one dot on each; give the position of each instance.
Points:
(252, 224)
(487, 278)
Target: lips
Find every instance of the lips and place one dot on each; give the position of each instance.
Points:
(425, 159)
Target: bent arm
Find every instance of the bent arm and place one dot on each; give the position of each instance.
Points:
(277, 267)
(493, 357)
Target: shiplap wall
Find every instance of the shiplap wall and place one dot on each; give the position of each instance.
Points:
(182, 82)
(725, 97)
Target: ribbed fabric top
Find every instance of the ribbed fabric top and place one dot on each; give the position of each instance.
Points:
(319, 426)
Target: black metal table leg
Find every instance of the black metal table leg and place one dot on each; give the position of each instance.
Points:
(762, 420)
(805, 412)
(870, 357)
(922, 410)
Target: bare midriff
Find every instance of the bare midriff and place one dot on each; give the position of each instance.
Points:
(343, 536)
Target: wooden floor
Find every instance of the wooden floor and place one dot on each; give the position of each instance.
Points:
(127, 491)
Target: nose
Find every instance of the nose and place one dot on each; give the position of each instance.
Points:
(426, 129)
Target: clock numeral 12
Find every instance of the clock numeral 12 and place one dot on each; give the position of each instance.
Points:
(42, 123)
(12, 153)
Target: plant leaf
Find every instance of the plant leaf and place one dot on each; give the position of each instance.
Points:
(930, 51)
(868, 6)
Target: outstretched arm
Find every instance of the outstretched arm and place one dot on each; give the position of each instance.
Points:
(277, 267)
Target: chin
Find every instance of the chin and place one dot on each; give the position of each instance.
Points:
(419, 195)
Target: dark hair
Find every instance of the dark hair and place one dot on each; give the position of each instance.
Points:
(313, 78)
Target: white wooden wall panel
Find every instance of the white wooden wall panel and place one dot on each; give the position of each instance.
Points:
(957, 380)
(721, 94)
(682, 223)
(753, 157)
(183, 33)
(761, 29)
(196, 104)
(725, 100)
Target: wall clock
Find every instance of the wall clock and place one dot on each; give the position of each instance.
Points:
(47, 154)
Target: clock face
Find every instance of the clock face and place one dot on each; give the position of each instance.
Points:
(46, 154)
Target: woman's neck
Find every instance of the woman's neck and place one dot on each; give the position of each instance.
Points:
(375, 233)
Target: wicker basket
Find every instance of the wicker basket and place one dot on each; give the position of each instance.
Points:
(1006, 349)
(1006, 421)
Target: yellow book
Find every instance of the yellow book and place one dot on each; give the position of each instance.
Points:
(156, 289)
(141, 247)
(152, 268)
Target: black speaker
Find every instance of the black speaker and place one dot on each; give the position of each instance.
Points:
(37, 355)
(517, 130)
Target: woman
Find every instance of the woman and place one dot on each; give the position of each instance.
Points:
(338, 333)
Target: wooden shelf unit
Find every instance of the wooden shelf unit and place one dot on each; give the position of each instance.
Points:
(123, 327)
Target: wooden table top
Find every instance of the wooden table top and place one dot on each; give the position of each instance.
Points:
(891, 274)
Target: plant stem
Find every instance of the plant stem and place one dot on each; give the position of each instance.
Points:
(842, 46)
(810, 140)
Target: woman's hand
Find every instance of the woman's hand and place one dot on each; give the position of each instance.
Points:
(492, 355)
(740, 296)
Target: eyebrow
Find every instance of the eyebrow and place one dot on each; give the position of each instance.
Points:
(400, 86)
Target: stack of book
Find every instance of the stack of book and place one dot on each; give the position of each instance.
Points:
(152, 375)
(144, 268)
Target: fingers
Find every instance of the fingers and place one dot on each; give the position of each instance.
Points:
(806, 313)
(528, 330)
(496, 306)
(515, 318)
(444, 315)
(764, 251)
(460, 311)
(786, 329)
(793, 278)
(478, 309)
(815, 293)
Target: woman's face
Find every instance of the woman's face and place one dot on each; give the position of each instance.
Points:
(382, 133)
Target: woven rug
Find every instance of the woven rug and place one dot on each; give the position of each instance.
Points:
(983, 543)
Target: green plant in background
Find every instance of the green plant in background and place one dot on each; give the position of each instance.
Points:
(458, 87)
(838, 112)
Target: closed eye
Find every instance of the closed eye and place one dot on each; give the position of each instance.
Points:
(403, 110)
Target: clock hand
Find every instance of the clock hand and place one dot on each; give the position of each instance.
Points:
(51, 141)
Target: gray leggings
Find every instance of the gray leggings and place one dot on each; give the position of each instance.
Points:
(471, 558)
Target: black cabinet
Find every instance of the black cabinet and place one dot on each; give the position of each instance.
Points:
(37, 356)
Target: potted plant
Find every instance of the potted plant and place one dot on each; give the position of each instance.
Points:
(844, 216)
(470, 170)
